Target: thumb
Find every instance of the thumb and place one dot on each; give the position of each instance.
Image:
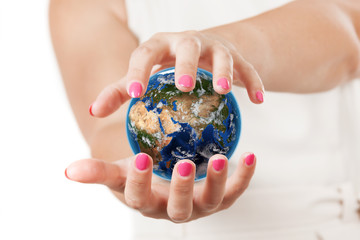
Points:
(110, 99)
(98, 171)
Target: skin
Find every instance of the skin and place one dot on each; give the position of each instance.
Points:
(302, 47)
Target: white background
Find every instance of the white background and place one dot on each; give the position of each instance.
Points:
(39, 138)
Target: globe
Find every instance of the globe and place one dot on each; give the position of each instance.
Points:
(171, 125)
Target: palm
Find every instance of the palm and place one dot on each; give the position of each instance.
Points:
(179, 200)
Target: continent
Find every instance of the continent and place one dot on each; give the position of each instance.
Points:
(171, 125)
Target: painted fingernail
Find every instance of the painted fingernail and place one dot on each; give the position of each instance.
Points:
(223, 83)
(135, 90)
(184, 169)
(142, 161)
(90, 110)
(260, 96)
(218, 164)
(186, 81)
(66, 174)
(249, 160)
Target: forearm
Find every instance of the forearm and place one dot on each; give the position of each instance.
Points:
(304, 46)
(92, 45)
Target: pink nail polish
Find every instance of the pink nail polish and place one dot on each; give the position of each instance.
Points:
(223, 83)
(218, 164)
(90, 110)
(184, 169)
(135, 90)
(66, 174)
(186, 81)
(259, 96)
(249, 160)
(142, 161)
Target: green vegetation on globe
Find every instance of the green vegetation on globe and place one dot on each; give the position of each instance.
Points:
(171, 125)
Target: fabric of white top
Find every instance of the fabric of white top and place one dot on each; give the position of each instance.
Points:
(307, 146)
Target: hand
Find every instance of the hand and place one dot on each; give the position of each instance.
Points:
(180, 201)
(187, 51)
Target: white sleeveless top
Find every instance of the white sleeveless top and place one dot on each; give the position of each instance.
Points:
(307, 146)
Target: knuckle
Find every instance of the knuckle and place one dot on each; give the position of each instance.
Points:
(143, 50)
(179, 216)
(158, 35)
(240, 187)
(190, 41)
(135, 71)
(135, 203)
(185, 65)
(136, 184)
(225, 205)
(191, 32)
(208, 206)
(183, 190)
(249, 68)
(219, 48)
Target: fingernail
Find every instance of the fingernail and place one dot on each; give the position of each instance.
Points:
(142, 161)
(135, 90)
(223, 83)
(260, 96)
(218, 164)
(249, 160)
(90, 110)
(184, 169)
(186, 81)
(66, 174)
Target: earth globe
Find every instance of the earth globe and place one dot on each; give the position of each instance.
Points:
(171, 125)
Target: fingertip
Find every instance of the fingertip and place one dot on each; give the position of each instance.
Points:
(256, 96)
(259, 96)
(109, 100)
(185, 83)
(66, 174)
(185, 168)
(135, 89)
(85, 171)
(249, 159)
(143, 162)
(222, 86)
(90, 110)
(218, 163)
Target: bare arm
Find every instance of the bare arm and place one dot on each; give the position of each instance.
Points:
(93, 45)
(304, 46)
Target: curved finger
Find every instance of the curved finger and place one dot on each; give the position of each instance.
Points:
(250, 78)
(138, 182)
(180, 202)
(213, 190)
(141, 63)
(187, 58)
(240, 179)
(97, 171)
(110, 99)
(222, 69)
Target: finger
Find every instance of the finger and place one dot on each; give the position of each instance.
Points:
(180, 202)
(250, 78)
(187, 58)
(138, 182)
(141, 62)
(110, 99)
(213, 191)
(112, 175)
(222, 69)
(239, 180)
